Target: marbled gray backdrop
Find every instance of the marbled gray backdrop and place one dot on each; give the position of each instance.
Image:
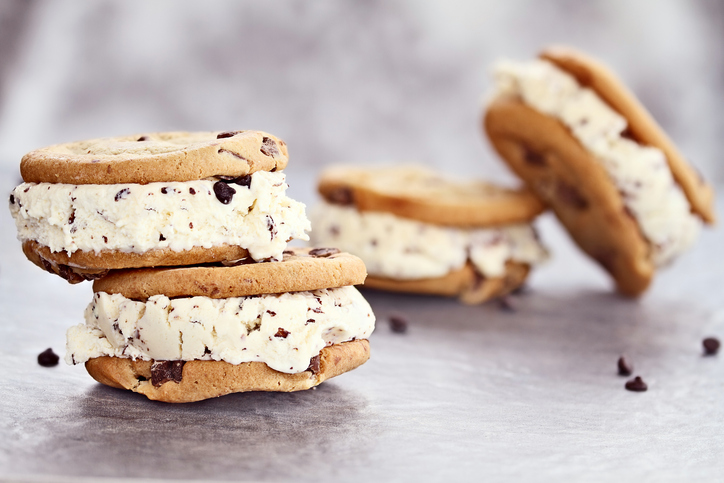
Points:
(366, 81)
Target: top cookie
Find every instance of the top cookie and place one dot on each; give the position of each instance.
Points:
(423, 195)
(158, 157)
(303, 269)
(641, 125)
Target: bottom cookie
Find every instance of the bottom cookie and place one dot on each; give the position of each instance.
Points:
(465, 283)
(178, 382)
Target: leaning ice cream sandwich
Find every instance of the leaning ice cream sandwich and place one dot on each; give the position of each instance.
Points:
(192, 333)
(150, 200)
(418, 232)
(583, 143)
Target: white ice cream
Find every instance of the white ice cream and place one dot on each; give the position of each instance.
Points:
(641, 173)
(401, 248)
(138, 218)
(284, 331)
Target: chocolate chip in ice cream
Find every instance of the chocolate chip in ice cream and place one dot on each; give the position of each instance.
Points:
(165, 371)
(48, 358)
(624, 367)
(636, 384)
(243, 180)
(12, 199)
(224, 192)
(269, 147)
(281, 333)
(711, 346)
(323, 252)
(123, 194)
(398, 323)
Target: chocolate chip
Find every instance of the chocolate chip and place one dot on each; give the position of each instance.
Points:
(161, 237)
(288, 252)
(269, 147)
(227, 134)
(711, 346)
(271, 312)
(236, 155)
(323, 252)
(192, 191)
(71, 218)
(314, 364)
(624, 367)
(191, 226)
(48, 358)
(398, 324)
(636, 384)
(506, 304)
(281, 333)
(271, 226)
(532, 157)
(142, 138)
(571, 196)
(341, 196)
(12, 199)
(224, 192)
(105, 239)
(165, 371)
(123, 194)
(628, 134)
(243, 181)
(164, 190)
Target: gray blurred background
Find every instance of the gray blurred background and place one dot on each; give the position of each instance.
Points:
(365, 81)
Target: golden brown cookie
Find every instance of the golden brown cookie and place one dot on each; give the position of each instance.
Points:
(156, 157)
(302, 269)
(643, 128)
(544, 153)
(423, 195)
(178, 382)
(466, 284)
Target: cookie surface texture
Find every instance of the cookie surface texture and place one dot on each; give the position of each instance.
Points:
(464, 284)
(302, 269)
(420, 194)
(201, 380)
(544, 153)
(642, 126)
(156, 157)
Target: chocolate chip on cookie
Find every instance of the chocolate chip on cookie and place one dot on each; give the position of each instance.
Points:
(165, 371)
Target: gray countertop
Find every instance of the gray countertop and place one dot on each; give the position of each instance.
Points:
(468, 393)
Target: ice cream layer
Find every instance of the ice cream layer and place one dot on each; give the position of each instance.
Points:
(284, 331)
(253, 212)
(401, 248)
(641, 173)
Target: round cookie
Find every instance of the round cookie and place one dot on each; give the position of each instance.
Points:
(191, 381)
(554, 155)
(420, 194)
(155, 157)
(466, 284)
(301, 269)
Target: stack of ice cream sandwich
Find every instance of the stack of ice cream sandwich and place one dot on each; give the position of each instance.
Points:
(195, 292)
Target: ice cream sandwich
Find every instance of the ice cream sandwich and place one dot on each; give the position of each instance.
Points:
(163, 199)
(184, 334)
(588, 148)
(419, 232)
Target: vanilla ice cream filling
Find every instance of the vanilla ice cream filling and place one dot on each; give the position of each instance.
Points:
(136, 218)
(641, 173)
(284, 331)
(401, 248)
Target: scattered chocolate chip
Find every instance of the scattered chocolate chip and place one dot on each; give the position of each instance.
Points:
(628, 134)
(12, 199)
(165, 371)
(207, 351)
(71, 218)
(161, 237)
(191, 226)
(227, 134)
(506, 304)
(141, 378)
(711, 346)
(571, 196)
(164, 190)
(269, 147)
(314, 364)
(636, 384)
(105, 239)
(236, 155)
(323, 252)
(624, 367)
(271, 226)
(288, 252)
(123, 194)
(142, 138)
(224, 192)
(281, 333)
(48, 358)
(532, 157)
(271, 312)
(398, 324)
(243, 180)
(341, 196)
(192, 191)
